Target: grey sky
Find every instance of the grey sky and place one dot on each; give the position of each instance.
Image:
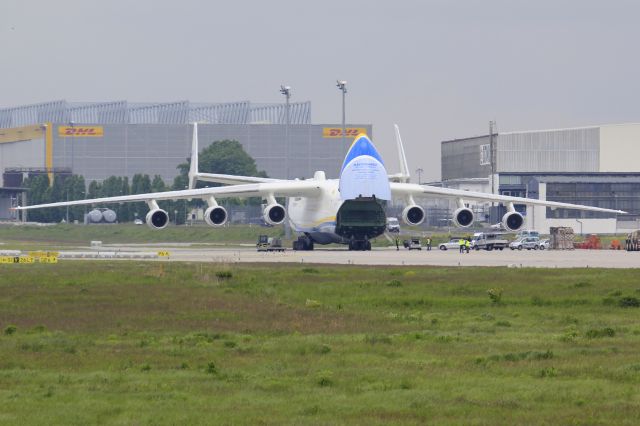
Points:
(440, 69)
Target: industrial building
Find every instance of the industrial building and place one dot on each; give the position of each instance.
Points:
(594, 165)
(102, 139)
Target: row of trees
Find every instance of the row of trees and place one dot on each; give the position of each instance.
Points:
(226, 157)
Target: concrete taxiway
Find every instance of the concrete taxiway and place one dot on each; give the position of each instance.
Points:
(389, 256)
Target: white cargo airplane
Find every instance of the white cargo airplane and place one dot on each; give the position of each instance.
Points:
(347, 210)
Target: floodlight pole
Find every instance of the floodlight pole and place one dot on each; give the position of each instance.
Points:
(68, 182)
(286, 91)
(342, 86)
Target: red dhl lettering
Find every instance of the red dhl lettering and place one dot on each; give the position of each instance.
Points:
(79, 131)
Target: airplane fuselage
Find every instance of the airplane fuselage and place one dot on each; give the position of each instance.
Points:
(326, 218)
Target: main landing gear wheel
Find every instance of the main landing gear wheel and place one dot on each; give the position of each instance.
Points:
(303, 244)
(355, 245)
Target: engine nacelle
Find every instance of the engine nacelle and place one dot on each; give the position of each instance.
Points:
(215, 216)
(463, 217)
(512, 221)
(413, 215)
(157, 219)
(274, 214)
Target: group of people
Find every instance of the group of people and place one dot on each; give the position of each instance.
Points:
(464, 244)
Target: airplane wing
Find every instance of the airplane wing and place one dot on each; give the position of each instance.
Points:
(275, 189)
(409, 189)
(232, 179)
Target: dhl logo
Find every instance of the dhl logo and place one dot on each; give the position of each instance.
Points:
(80, 131)
(336, 132)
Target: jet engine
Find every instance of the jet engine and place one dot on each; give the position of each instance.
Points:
(413, 215)
(463, 217)
(157, 219)
(512, 221)
(215, 216)
(274, 214)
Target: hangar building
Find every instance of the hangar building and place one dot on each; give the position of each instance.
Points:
(594, 165)
(102, 139)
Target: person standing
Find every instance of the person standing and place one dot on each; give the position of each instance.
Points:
(461, 244)
(467, 245)
(428, 243)
(397, 244)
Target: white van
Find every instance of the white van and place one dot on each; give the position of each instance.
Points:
(527, 234)
(393, 225)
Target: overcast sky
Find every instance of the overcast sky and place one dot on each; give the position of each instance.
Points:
(440, 69)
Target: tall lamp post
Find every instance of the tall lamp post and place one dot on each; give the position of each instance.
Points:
(286, 91)
(342, 86)
(68, 182)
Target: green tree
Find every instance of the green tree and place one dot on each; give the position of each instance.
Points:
(222, 157)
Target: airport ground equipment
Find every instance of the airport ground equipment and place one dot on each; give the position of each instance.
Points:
(452, 244)
(266, 243)
(413, 243)
(632, 242)
(529, 243)
(393, 225)
(591, 243)
(490, 241)
(562, 238)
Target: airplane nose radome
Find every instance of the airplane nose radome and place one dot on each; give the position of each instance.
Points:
(363, 172)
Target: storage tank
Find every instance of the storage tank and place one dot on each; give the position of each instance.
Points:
(94, 216)
(109, 216)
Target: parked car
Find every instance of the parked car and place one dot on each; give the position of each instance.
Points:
(527, 233)
(452, 244)
(544, 244)
(525, 243)
(412, 244)
(393, 225)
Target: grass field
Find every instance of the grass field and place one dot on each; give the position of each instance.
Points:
(172, 343)
(65, 234)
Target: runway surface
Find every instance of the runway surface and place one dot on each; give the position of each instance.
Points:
(389, 256)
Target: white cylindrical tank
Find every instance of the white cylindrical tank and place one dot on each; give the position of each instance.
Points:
(94, 216)
(109, 216)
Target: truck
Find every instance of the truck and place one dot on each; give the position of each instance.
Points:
(266, 243)
(632, 243)
(489, 241)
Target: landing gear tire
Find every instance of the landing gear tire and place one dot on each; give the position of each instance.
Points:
(303, 244)
(355, 245)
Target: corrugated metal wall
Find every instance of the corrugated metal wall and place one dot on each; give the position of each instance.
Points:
(461, 158)
(567, 150)
(127, 149)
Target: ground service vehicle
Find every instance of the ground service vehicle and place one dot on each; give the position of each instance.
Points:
(266, 243)
(545, 244)
(632, 242)
(527, 233)
(489, 242)
(393, 225)
(412, 244)
(452, 244)
(526, 243)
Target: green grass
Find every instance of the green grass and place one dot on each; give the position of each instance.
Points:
(173, 343)
(65, 234)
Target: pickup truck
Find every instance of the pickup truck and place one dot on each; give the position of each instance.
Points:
(489, 242)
